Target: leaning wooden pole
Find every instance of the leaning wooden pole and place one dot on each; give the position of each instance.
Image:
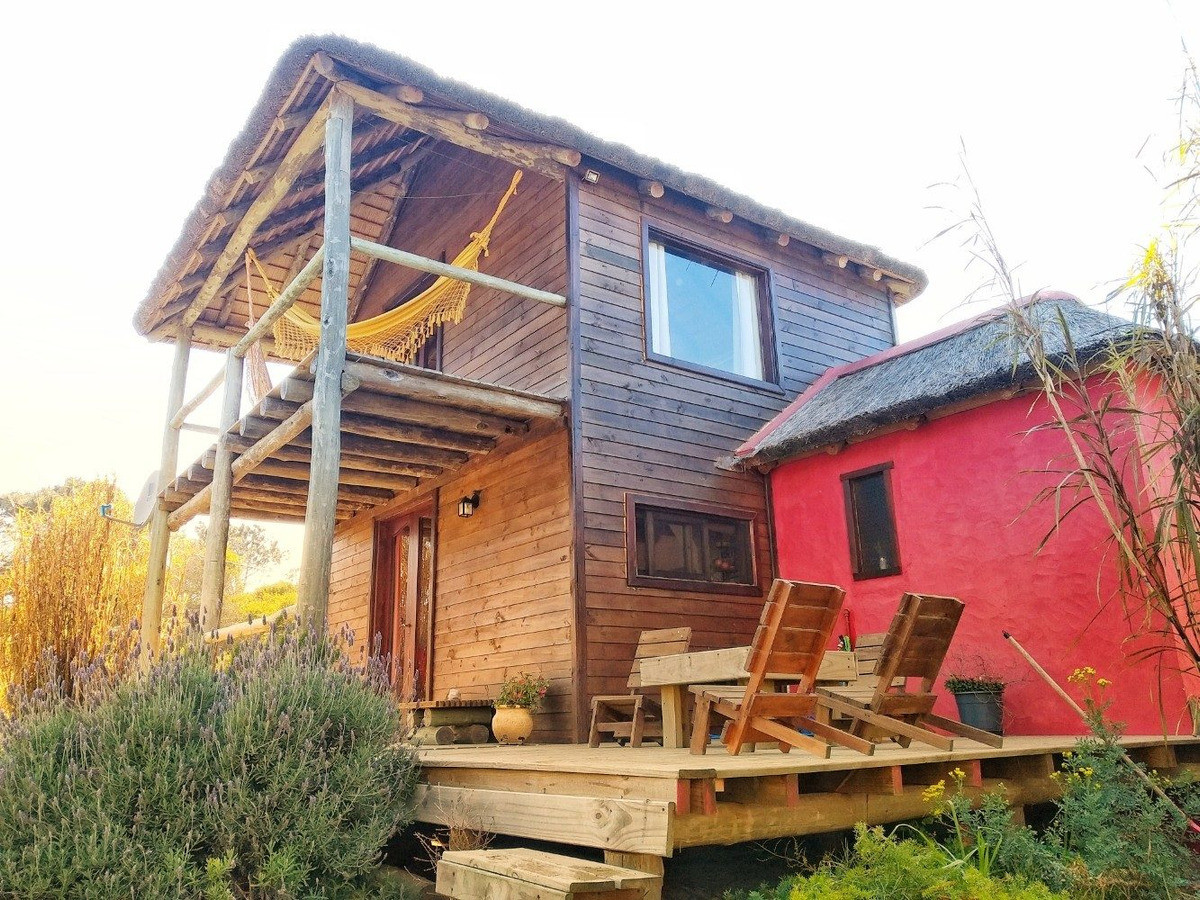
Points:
(160, 533)
(1192, 825)
(321, 513)
(212, 584)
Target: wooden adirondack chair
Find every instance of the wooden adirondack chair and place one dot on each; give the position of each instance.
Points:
(634, 716)
(795, 627)
(915, 647)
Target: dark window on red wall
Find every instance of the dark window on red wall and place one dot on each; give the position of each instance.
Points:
(871, 521)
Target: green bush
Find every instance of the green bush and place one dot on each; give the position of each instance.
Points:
(273, 773)
(1115, 838)
(884, 867)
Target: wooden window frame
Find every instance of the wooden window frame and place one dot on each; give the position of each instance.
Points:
(856, 567)
(765, 279)
(749, 516)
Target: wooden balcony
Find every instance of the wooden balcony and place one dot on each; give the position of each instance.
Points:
(404, 430)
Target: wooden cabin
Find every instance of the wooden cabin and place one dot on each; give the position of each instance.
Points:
(537, 482)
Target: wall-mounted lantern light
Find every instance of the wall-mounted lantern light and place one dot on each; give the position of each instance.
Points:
(591, 176)
(467, 505)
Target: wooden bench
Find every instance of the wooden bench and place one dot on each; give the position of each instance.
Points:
(522, 874)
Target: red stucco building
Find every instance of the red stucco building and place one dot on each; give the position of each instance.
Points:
(916, 469)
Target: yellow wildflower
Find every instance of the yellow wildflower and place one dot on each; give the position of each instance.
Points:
(1103, 682)
(958, 774)
(935, 792)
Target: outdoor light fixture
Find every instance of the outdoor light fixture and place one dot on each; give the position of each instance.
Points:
(467, 505)
(591, 176)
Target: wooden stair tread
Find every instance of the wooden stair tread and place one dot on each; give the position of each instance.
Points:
(551, 870)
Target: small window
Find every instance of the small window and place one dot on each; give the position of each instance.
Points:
(691, 546)
(705, 311)
(871, 521)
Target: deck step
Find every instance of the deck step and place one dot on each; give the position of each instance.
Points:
(522, 874)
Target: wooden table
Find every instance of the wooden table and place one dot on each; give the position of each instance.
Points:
(672, 675)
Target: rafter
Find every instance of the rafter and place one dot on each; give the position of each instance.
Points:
(307, 142)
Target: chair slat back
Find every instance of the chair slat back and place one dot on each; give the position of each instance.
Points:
(866, 653)
(663, 642)
(794, 629)
(919, 639)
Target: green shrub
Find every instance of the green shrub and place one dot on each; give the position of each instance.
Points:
(1115, 838)
(273, 773)
(884, 867)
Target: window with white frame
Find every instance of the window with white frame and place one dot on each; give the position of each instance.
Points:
(705, 310)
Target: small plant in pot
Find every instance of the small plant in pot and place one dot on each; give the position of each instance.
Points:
(520, 697)
(980, 700)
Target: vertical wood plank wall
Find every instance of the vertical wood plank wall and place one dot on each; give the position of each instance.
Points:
(649, 427)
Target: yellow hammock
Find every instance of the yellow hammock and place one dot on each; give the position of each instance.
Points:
(398, 333)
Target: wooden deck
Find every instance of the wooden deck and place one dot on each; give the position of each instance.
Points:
(653, 800)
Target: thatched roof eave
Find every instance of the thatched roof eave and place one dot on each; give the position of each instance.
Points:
(389, 68)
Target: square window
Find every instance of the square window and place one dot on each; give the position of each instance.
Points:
(705, 311)
(870, 520)
(690, 547)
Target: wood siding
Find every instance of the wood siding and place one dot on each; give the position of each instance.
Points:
(503, 600)
(649, 427)
(502, 339)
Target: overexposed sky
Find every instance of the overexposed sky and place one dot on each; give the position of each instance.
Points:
(842, 114)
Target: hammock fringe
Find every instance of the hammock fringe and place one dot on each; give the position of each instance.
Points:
(398, 333)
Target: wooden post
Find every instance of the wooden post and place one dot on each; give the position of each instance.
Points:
(212, 584)
(160, 534)
(640, 862)
(321, 513)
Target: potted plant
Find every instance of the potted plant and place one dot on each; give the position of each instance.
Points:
(980, 700)
(520, 697)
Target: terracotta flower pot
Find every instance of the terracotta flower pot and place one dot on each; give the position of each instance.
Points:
(512, 724)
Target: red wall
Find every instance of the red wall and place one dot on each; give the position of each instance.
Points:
(962, 487)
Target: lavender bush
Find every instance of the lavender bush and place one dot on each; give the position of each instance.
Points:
(271, 773)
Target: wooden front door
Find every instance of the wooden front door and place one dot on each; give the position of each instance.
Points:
(402, 605)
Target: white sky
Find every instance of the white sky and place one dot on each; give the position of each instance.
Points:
(842, 114)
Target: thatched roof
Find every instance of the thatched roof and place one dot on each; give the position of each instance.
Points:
(956, 364)
(286, 83)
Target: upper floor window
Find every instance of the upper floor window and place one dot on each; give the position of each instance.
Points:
(705, 310)
(691, 546)
(871, 521)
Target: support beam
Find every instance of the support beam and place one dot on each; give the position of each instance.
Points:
(435, 267)
(717, 214)
(526, 154)
(295, 390)
(306, 143)
(160, 533)
(212, 584)
(320, 518)
(357, 462)
(384, 427)
(453, 391)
